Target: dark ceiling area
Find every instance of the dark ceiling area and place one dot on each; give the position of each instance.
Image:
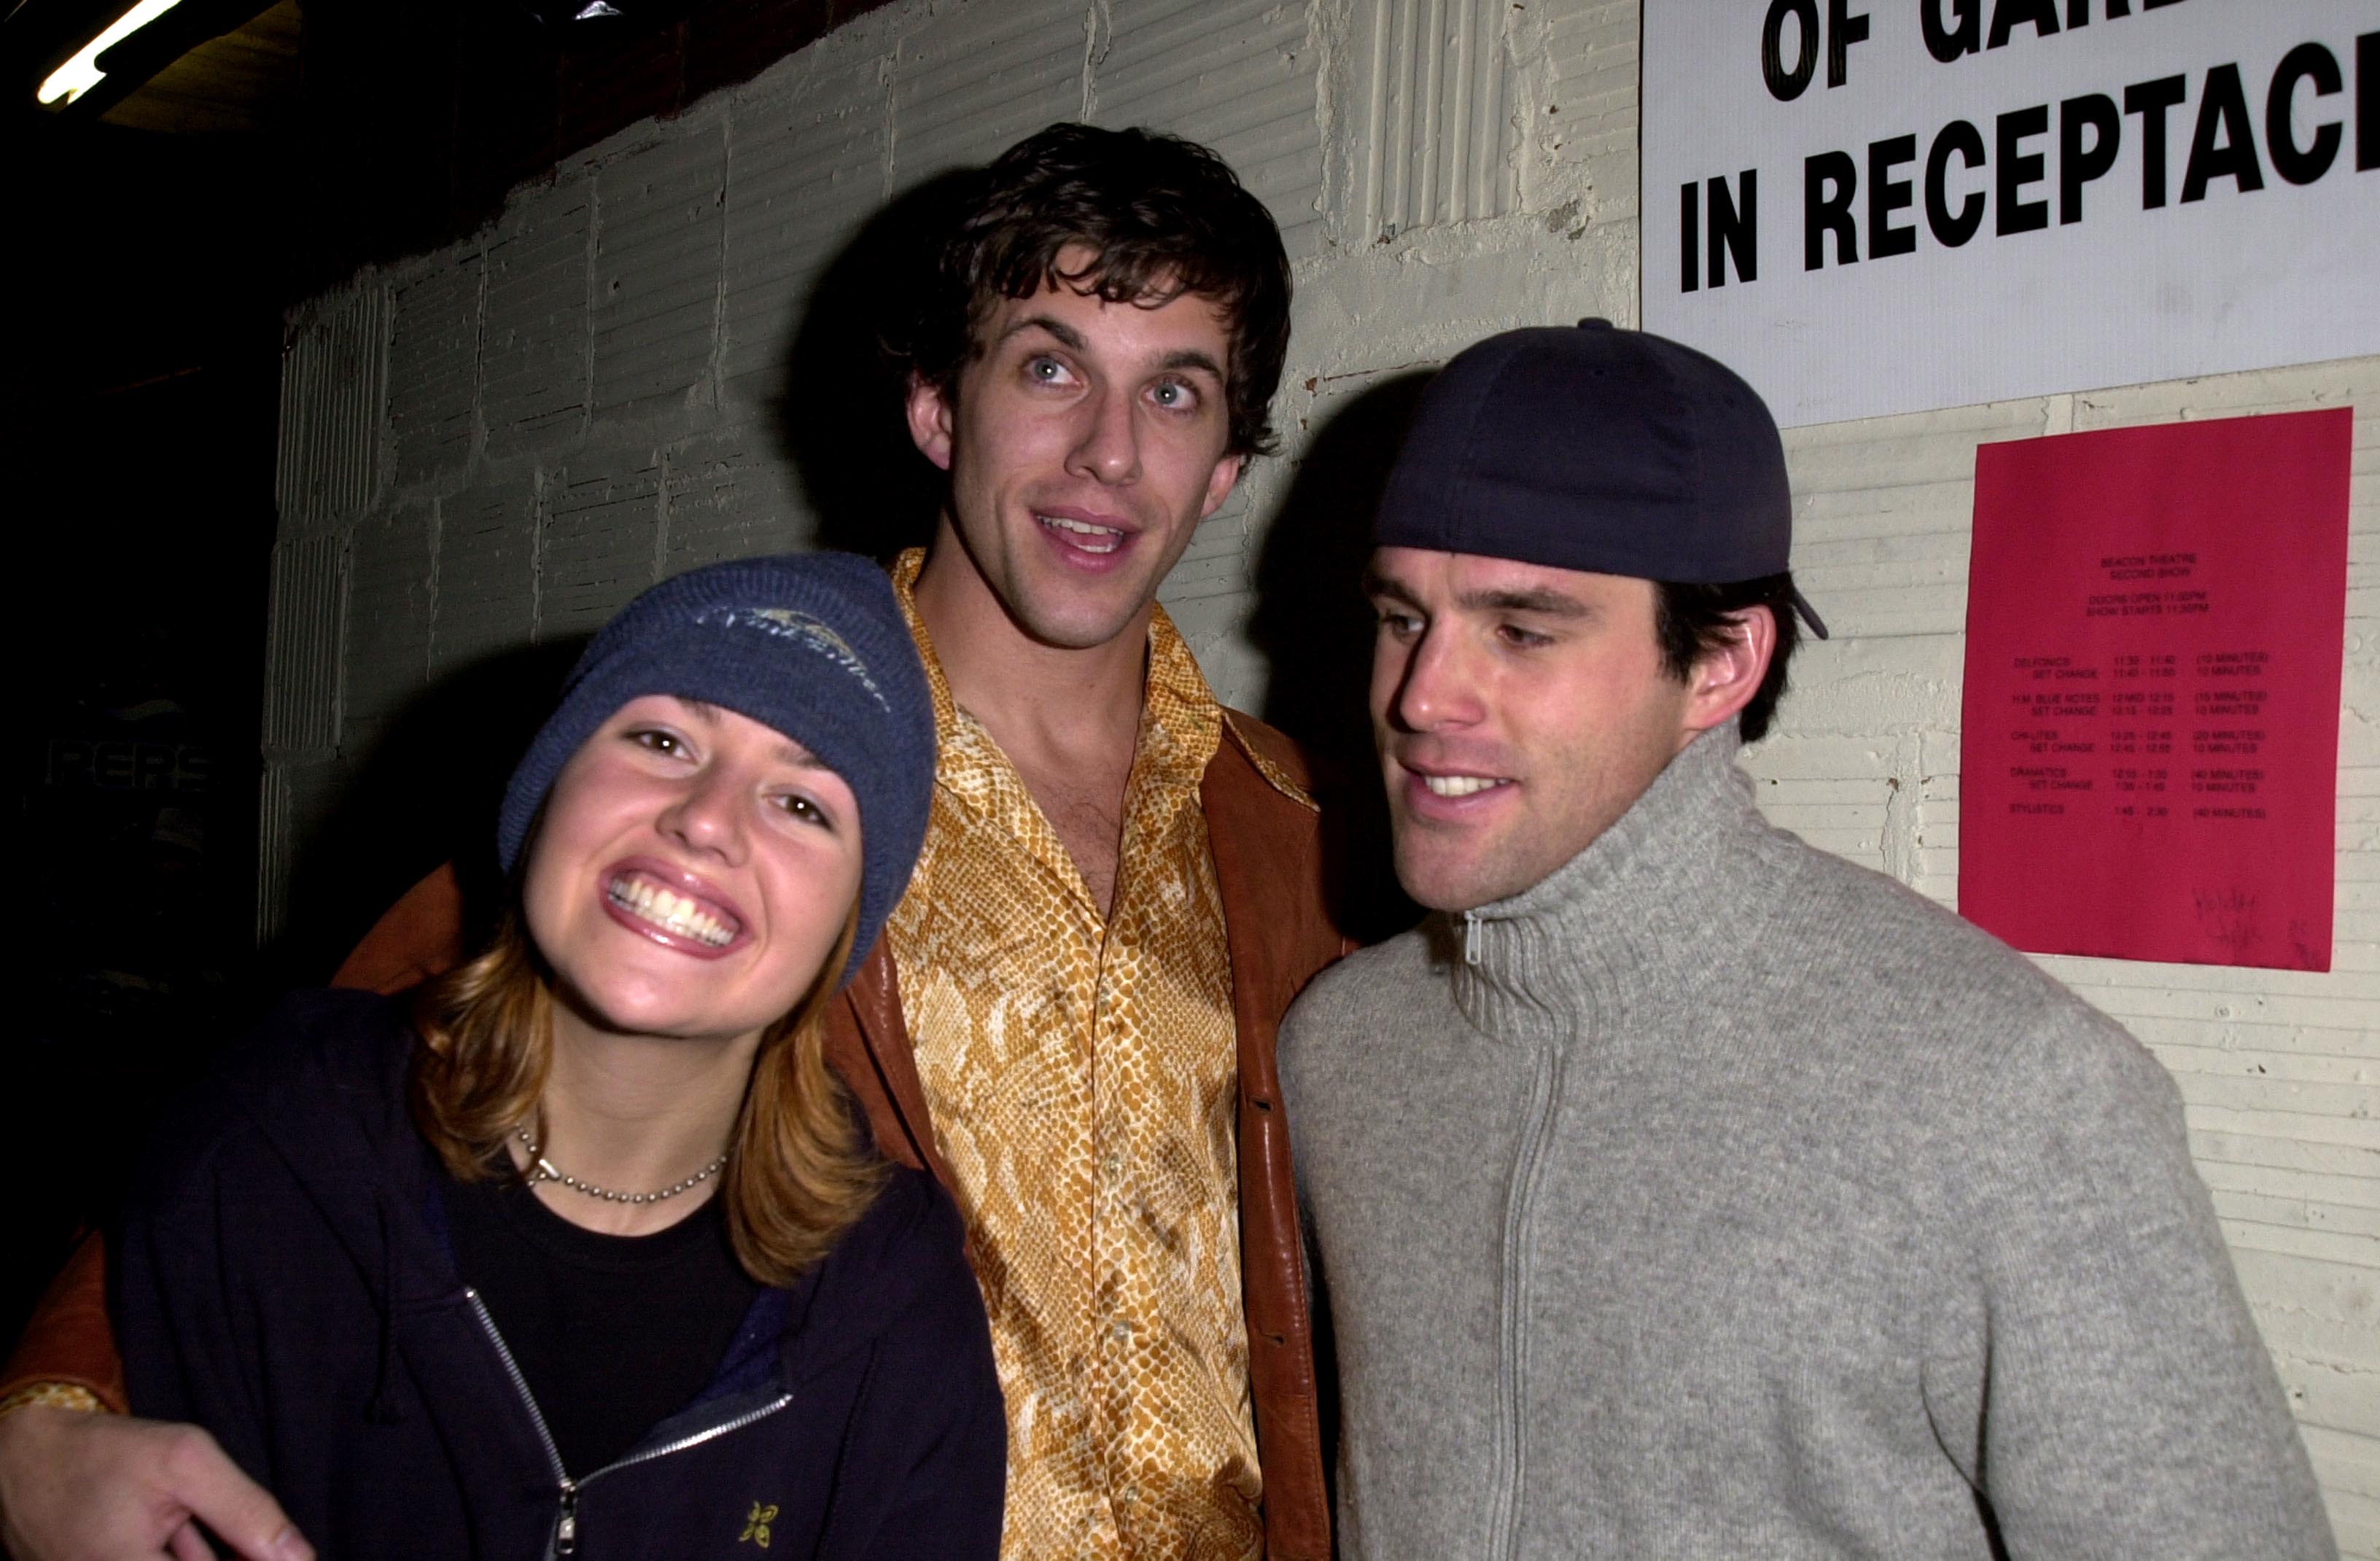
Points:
(232, 158)
(386, 127)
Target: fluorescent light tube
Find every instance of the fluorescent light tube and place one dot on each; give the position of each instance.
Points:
(81, 73)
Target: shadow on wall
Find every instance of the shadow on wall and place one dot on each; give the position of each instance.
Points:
(429, 787)
(427, 793)
(427, 790)
(840, 418)
(1314, 629)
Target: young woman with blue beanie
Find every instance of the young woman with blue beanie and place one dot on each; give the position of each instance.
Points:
(582, 1251)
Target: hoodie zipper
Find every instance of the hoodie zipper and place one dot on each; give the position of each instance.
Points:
(565, 1522)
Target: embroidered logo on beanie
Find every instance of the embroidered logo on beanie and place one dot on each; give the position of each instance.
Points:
(792, 623)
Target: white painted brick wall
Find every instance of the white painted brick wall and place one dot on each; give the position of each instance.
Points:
(657, 259)
(536, 331)
(503, 440)
(807, 166)
(598, 537)
(484, 582)
(1435, 115)
(974, 75)
(433, 380)
(1238, 74)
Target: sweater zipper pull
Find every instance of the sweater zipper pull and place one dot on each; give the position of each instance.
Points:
(1471, 937)
(565, 1527)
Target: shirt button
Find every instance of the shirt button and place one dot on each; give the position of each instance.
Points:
(1111, 1163)
(1120, 1331)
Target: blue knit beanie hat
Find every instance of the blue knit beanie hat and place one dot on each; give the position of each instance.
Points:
(812, 645)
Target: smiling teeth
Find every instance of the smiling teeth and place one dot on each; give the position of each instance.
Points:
(674, 913)
(1460, 785)
(1093, 535)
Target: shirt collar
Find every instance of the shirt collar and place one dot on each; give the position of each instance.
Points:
(905, 590)
(1181, 721)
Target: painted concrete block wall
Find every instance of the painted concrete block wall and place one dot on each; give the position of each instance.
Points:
(499, 443)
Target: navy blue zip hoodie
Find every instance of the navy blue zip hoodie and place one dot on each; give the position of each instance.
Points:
(282, 1277)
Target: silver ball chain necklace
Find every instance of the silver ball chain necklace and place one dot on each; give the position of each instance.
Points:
(543, 1169)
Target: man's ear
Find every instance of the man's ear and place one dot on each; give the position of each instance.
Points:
(1220, 482)
(1723, 679)
(930, 421)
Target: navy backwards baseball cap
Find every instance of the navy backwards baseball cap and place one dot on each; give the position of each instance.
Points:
(1594, 448)
(812, 645)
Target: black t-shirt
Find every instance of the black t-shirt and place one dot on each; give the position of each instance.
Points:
(616, 1334)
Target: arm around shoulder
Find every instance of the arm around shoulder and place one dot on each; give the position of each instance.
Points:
(68, 1340)
(79, 1484)
(417, 938)
(76, 1483)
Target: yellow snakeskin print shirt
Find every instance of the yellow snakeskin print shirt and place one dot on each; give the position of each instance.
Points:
(1082, 1077)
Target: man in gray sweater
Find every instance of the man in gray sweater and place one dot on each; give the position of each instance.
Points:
(1681, 1189)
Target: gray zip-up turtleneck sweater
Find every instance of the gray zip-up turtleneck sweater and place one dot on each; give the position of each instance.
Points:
(1728, 1200)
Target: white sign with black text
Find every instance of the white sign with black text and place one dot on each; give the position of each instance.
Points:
(1878, 206)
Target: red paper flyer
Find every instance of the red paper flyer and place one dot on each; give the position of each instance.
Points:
(2149, 745)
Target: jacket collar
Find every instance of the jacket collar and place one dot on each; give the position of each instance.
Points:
(1636, 910)
(1179, 729)
(1251, 802)
(1237, 730)
(1174, 676)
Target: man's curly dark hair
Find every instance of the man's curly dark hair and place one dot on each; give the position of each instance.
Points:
(1163, 216)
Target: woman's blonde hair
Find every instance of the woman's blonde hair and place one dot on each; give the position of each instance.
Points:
(799, 1172)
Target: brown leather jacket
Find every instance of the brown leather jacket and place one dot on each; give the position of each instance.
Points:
(1267, 851)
